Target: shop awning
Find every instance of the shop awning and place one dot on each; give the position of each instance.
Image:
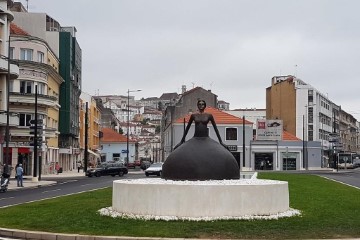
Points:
(94, 153)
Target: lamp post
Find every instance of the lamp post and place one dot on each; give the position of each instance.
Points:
(128, 123)
(7, 129)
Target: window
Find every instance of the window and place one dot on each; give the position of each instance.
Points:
(26, 54)
(41, 57)
(26, 86)
(41, 88)
(24, 119)
(116, 157)
(11, 53)
(11, 86)
(231, 133)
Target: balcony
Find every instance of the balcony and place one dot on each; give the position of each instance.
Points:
(29, 98)
(14, 68)
(13, 119)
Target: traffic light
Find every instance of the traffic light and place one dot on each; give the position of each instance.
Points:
(36, 129)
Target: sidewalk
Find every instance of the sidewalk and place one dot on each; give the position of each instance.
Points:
(47, 179)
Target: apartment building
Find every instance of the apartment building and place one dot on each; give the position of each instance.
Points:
(93, 130)
(38, 69)
(306, 113)
(63, 42)
(8, 72)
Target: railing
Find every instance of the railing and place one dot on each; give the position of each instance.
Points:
(33, 95)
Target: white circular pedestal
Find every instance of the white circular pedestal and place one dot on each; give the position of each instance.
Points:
(226, 199)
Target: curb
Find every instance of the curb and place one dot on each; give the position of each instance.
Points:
(48, 183)
(31, 235)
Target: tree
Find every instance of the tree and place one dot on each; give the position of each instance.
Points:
(121, 131)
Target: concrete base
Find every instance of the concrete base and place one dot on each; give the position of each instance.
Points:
(200, 199)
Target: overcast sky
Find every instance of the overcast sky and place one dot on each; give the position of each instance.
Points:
(233, 47)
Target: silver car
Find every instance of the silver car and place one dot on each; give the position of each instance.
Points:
(154, 169)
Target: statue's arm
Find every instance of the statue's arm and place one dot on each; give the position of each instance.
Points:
(212, 120)
(186, 131)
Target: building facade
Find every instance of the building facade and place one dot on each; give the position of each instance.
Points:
(306, 113)
(8, 71)
(70, 90)
(38, 70)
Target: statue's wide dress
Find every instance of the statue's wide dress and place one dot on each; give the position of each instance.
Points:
(200, 158)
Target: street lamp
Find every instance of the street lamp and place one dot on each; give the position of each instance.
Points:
(128, 123)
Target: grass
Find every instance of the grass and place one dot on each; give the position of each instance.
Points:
(329, 210)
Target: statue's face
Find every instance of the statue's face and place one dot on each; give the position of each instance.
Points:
(201, 105)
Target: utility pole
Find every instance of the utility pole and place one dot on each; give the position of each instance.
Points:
(243, 140)
(86, 155)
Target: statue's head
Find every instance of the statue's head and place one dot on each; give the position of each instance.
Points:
(201, 104)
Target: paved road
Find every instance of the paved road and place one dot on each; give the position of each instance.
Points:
(63, 186)
(349, 176)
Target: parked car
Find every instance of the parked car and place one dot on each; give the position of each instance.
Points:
(103, 169)
(145, 164)
(131, 165)
(356, 163)
(154, 169)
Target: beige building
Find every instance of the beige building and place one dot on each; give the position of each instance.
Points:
(38, 69)
(8, 71)
(94, 128)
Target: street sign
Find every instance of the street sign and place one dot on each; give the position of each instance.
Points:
(39, 121)
(124, 151)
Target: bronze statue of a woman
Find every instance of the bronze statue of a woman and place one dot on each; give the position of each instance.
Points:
(200, 158)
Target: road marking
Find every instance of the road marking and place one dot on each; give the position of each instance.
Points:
(52, 190)
(6, 198)
(335, 180)
(69, 194)
(88, 184)
(68, 182)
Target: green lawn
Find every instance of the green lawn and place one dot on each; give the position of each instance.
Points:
(329, 210)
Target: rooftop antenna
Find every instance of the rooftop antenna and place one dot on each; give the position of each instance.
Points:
(295, 70)
(211, 84)
(193, 84)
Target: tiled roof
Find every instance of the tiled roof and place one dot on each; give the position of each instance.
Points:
(195, 89)
(219, 116)
(112, 136)
(16, 30)
(169, 96)
(289, 137)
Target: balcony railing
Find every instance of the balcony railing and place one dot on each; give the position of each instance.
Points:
(30, 99)
(14, 67)
(13, 119)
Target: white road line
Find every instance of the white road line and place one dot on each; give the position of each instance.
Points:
(88, 184)
(52, 190)
(53, 197)
(6, 198)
